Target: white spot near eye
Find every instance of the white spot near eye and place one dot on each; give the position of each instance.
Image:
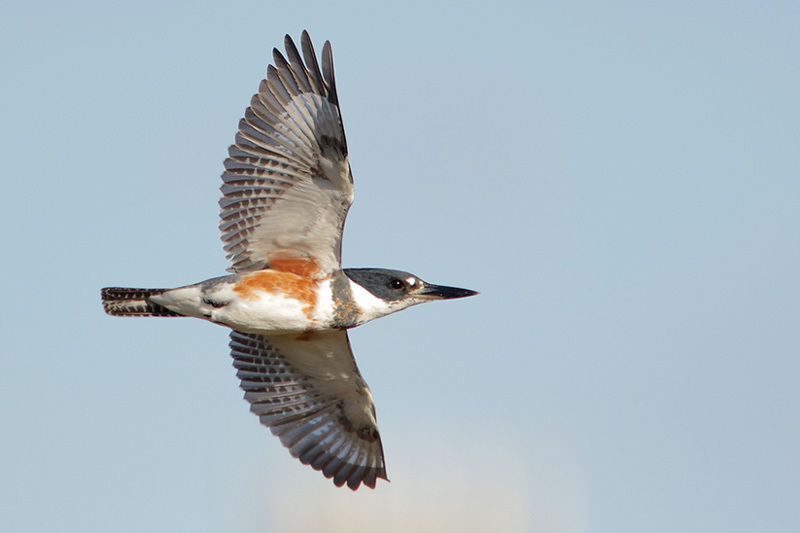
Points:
(411, 281)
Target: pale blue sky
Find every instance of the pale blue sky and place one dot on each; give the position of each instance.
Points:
(620, 181)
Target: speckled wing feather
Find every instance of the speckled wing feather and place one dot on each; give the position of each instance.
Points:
(287, 184)
(309, 392)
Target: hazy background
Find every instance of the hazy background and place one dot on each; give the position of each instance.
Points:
(621, 183)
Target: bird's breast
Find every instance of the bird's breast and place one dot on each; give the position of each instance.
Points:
(273, 283)
(278, 302)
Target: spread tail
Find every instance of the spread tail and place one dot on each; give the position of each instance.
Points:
(122, 301)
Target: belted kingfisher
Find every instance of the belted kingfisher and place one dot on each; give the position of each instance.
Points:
(287, 187)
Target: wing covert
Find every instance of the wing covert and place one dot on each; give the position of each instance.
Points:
(287, 184)
(309, 392)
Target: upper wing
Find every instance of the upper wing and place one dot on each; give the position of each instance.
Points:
(287, 184)
(309, 392)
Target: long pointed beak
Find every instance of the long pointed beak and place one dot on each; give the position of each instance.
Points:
(440, 292)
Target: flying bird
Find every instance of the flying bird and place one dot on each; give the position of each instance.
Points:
(287, 187)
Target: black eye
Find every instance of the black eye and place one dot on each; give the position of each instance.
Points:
(396, 284)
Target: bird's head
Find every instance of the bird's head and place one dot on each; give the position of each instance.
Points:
(386, 291)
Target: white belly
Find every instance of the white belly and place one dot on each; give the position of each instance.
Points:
(277, 315)
(267, 314)
(257, 312)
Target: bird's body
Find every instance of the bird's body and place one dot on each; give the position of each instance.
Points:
(286, 189)
(273, 300)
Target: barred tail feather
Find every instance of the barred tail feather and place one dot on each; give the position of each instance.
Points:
(123, 301)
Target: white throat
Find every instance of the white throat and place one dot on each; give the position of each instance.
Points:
(372, 307)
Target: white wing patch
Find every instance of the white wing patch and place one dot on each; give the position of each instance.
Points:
(287, 184)
(309, 392)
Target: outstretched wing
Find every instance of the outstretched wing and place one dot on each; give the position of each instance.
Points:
(287, 184)
(309, 392)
